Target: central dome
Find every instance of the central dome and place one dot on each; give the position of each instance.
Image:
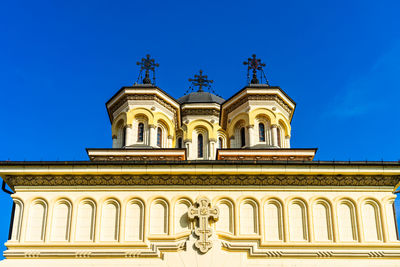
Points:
(200, 97)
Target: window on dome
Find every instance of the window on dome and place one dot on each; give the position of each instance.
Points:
(200, 146)
(220, 143)
(261, 132)
(179, 142)
(242, 137)
(159, 137)
(140, 132)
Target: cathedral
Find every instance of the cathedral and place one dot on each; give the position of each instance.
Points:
(201, 181)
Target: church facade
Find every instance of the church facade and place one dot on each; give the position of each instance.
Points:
(202, 181)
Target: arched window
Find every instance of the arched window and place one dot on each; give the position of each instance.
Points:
(200, 146)
(261, 132)
(140, 132)
(242, 137)
(180, 142)
(220, 143)
(159, 137)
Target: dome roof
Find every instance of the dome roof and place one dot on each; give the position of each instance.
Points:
(200, 97)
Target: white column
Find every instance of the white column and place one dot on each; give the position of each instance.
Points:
(274, 129)
(213, 149)
(114, 141)
(232, 142)
(251, 135)
(169, 143)
(287, 138)
(152, 135)
(187, 143)
(128, 135)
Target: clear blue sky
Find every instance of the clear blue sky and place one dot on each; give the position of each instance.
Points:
(60, 61)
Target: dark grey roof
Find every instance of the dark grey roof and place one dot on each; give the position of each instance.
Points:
(200, 97)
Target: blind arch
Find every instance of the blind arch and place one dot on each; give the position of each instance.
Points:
(61, 221)
(85, 221)
(134, 220)
(298, 221)
(226, 222)
(36, 226)
(346, 221)
(17, 220)
(109, 228)
(273, 220)
(248, 217)
(159, 217)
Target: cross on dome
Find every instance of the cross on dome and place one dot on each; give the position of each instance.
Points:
(148, 64)
(254, 64)
(200, 81)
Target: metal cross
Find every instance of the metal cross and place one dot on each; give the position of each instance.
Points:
(204, 212)
(200, 81)
(147, 64)
(254, 64)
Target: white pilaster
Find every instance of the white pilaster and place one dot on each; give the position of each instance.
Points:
(213, 149)
(169, 142)
(251, 136)
(187, 143)
(232, 142)
(274, 131)
(287, 139)
(128, 135)
(152, 135)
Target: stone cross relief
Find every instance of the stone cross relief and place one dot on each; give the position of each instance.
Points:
(203, 210)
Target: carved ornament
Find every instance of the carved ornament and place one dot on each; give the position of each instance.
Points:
(204, 212)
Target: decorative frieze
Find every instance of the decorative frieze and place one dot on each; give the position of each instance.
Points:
(203, 180)
(202, 111)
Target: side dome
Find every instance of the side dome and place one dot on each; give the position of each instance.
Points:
(200, 97)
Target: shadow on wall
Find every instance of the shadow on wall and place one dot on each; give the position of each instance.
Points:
(397, 210)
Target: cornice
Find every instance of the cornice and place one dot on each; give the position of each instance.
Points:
(202, 180)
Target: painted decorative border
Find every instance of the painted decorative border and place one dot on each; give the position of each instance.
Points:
(203, 180)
